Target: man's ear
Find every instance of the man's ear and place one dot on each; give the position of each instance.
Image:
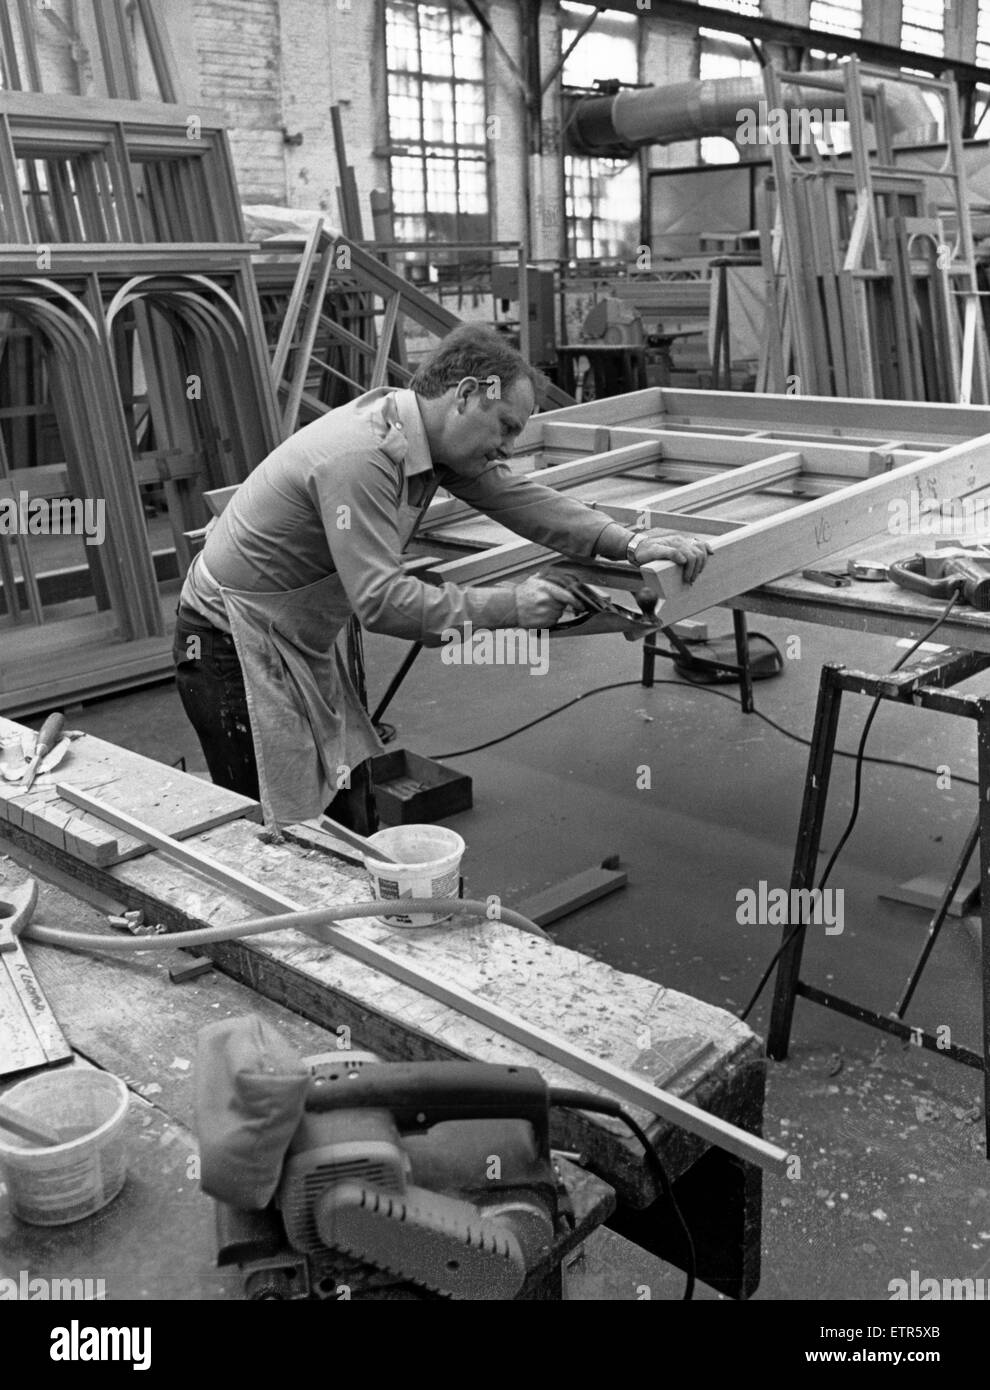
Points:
(467, 387)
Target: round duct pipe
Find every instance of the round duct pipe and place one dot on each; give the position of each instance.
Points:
(618, 125)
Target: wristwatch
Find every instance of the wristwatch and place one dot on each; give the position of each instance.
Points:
(639, 539)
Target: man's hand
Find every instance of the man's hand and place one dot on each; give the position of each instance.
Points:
(687, 551)
(540, 603)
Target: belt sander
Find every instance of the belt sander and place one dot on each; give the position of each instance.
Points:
(379, 1178)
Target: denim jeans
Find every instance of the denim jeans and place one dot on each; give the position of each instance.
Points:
(210, 682)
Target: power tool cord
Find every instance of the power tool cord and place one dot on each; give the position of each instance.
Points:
(859, 756)
(854, 814)
(288, 921)
(702, 690)
(600, 1105)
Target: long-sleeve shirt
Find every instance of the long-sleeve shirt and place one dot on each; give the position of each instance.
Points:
(344, 494)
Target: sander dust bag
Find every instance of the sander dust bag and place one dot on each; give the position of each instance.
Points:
(250, 1095)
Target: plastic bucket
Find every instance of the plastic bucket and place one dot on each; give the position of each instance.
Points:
(429, 866)
(65, 1182)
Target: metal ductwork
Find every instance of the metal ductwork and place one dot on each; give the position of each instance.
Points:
(618, 125)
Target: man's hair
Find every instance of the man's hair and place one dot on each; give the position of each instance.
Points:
(473, 350)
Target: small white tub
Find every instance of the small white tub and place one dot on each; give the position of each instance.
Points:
(60, 1183)
(429, 866)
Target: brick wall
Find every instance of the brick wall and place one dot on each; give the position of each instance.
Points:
(239, 53)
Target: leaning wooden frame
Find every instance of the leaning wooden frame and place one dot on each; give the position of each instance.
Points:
(114, 171)
(187, 318)
(774, 482)
(869, 261)
(38, 45)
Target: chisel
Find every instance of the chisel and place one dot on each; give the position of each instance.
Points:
(51, 732)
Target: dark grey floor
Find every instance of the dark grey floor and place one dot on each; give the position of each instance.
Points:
(894, 1177)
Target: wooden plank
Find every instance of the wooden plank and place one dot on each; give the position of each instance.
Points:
(493, 564)
(160, 48)
(296, 298)
(290, 413)
(734, 483)
(571, 894)
(379, 370)
(562, 475)
(618, 1080)
(172, 801)
(37, 820)
(810, 532)
(926, 422)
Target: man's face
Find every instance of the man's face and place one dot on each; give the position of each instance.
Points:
(480, 428)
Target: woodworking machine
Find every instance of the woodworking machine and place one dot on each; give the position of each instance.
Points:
(402, 1178)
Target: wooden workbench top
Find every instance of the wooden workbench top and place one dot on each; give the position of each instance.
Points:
(122, 1014)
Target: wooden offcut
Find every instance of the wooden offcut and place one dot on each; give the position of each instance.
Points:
(166, 798)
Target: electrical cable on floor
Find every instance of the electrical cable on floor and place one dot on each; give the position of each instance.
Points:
(704, 690)
(859, 757)
(854, 814)
(601, 1105)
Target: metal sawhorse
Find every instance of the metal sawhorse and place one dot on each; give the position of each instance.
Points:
(925, 685)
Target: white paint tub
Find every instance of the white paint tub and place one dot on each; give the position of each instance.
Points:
(53, 1185)
(429, 866)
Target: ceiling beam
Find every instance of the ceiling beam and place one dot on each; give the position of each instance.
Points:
(798, 36)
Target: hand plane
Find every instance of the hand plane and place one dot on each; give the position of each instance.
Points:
(595, 612)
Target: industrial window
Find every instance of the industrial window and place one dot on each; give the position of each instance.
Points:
(725, 55)
(750, 7)
(838, 17)
(436, 123)
(982, 93)
(602, 196)
(983, 34)
(922, 25)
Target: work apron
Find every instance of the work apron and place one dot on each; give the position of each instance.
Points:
(308, 725)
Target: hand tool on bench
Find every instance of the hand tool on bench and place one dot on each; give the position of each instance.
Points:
(965, 573)
(51, 732)
(867, 571)
(29, 1034)
(832, 579)
(351, 837)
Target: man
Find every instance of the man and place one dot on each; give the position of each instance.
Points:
(314, 536)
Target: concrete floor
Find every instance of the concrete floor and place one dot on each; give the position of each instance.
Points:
(893, 1173)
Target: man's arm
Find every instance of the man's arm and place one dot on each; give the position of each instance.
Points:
(562, 523)
(536, 512)
(358, 497)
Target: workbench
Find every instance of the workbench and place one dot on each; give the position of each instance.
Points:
(121, 1014)
(157, 1239)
